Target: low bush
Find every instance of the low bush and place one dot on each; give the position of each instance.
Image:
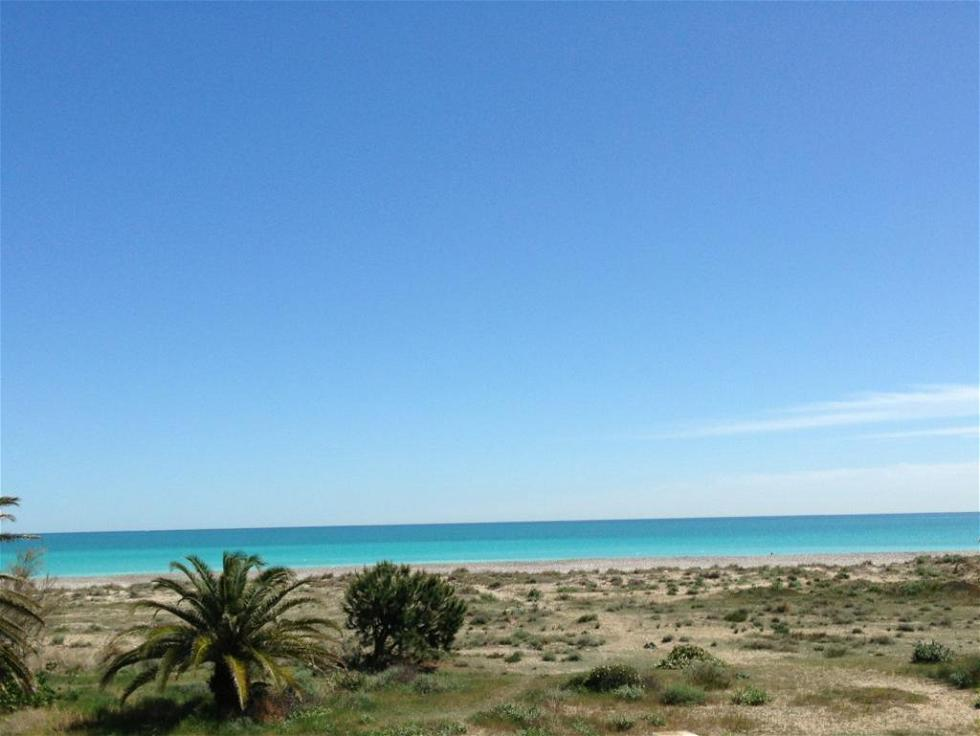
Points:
(750, 695)
(683, 695)
(962, 673)
(655, 719)
(511, 713)
(737, 616)
(621, 722)
(931, 653)
(683, 656)
(608, 677)
(629, 692)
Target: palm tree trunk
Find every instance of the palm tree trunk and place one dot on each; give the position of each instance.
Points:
(223, 689)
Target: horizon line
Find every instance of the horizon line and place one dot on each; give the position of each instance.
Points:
(511, 521)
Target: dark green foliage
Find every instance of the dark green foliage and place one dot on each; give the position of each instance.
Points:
(682, 695)
(607, 677)
(931, 653)
(233, 622)
(13, 697)
(401, 614)
(737, 616)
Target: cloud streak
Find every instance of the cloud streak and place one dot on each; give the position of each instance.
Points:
(927, 402)
(967, 430)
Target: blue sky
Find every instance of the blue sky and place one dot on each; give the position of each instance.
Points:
(328, 264)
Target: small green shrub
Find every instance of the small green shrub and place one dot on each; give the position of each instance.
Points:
(737, 616)
(682, 694)
(629, 692)
(608, 677)
(512, 713)
(513, 657)
(750, 695)
(834, 652)
(931, 653)
(621, 722)
(962, 673)
(655, 719)
(683, 656)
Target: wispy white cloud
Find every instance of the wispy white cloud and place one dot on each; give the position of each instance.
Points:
(896, 488)
(927, 402)
(967, 430)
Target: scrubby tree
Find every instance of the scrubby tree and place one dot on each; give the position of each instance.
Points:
(401, 614)
(233, 622)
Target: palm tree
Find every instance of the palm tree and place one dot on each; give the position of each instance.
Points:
(20, 616)
(6, 501)
(234, 622)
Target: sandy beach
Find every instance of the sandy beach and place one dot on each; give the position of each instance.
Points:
(586, 564)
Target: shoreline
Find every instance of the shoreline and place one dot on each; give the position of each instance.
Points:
(599, 564)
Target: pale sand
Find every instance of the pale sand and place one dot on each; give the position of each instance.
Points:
(585, 565)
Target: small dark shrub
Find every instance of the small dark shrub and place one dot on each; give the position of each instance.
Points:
(608, 677)
(931, 653)
(737, 616)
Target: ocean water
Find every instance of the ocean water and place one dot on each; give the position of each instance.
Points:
(105, 553)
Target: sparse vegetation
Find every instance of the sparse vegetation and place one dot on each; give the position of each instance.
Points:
(517, 666)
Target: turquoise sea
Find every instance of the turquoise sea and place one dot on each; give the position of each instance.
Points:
(104, 553)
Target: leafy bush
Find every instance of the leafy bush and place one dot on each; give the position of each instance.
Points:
(931, 653)
(399, 613)
(750, 695)
(513, 657)
(13, 697)
(711, 675)
(683, 695)
(608, 677)
(683, 656)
